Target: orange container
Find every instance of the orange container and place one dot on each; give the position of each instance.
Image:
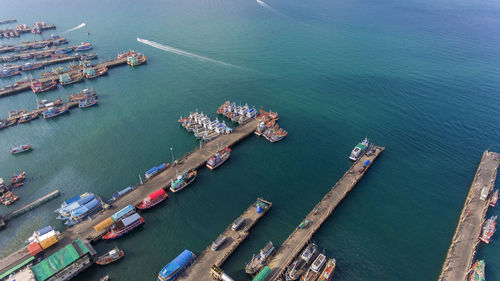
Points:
(34, 248)
(48, 242)
(103, 225)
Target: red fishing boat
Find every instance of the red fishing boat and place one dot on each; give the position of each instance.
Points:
(39, 87)
(153, 199)
(18, 178)
(494, 199)
(218, 158)
(488, 229)
(18, 185)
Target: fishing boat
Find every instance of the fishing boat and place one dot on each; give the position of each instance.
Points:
(89, 56)
(7, 123)
(136, 59)
(27, 117)
(42, 55)
(83, 47)
(81, 213)
(39, 233)
(124, 226)
(105, 278)
(18, 178)
(31, 66)
(88, 102)
(477, 271)
(18, 185)
(63, 50)
(54, 111)
(93, 72)
(19, 148)
(46, 104)
(259, 261)
(38, 87)
(359, 149)
(494, 199)
(110, 257)
(153, 199)
(174, 269)
(488, 229)
(183, 181)
(314, 270)
(261, 128)
(8, 198)
(66, 78)
(156, 170)
(300, 264)
(82, 95)
(25, 56)
(327, 273)
(72, 204)
(219, 158)
(7, 72)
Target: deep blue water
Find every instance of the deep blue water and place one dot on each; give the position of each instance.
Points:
(419, 77)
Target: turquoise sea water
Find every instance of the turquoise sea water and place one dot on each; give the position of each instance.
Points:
(419, 77)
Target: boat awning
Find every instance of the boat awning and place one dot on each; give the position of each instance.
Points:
(156, 194)
(178, 262)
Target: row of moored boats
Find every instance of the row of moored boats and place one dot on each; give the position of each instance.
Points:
(202, 127)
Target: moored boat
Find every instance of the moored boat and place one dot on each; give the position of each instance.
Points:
(219, 158)
(8, 198)
(38, 233)
(300, 264)
(84, 211)
(38, 87)
(494, 199)
(27, 117)
(153, 199)
(46, 103)
(82, 95)
(54, 111)
(110, 257)
(477, 271)
(18, 178)
(8, 71)
(93, 72)
(66, 78)
(83, 47)
(7, 123)
(136, 59)
(20, 148)
(488, 229)
(327, 273)
(124, 226)
(314, 270)
(31, 66)
(174, 269)
(183, 181)
(359, 149)
(88, 102)
(259, 261)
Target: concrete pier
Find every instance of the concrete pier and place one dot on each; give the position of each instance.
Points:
(200, 269)
(32, 205)
(464, 244)
(299, 238)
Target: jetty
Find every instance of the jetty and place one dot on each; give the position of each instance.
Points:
(460, 256)
(28, 29)
(200, 269)
(299, 238)
(34, 44)
(192, 160)
(16, 88)
(14, 57)
(7, 21)
(50, 62)
(31, 205)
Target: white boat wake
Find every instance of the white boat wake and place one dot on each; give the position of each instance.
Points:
(267, 6)
(183, 53)
(75, 28)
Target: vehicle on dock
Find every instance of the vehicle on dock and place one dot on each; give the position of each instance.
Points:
(477, 271)
(153, 199)
(88, 102)
(494, 199)
(31, 66)
(8, 71)
(38, 233)
(314, 270)
(27, 117)
(54, 111)
(183, 181)
(218, 242)
(124, 226)
(489, 229)
(301, 263)
(327, 273)
(66, 78)
(93, 72)
(359, 149)
(136, 59)
(7, 123)
(176, 267)
(20, 148)
(218, 158)
(110, 257)
(81, 213)
(156, 170)
(83, 47)
(120, 194)
(38, 87)
(238, 223)
(259, 261)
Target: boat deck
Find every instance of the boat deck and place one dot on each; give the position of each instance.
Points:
(300, 237)
(192, 160)
(466, 238)
(200, 269)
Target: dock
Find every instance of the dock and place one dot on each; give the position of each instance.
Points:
(460, 256)
(27, 86)
(32, 205)
(200, 269)
(8, 58)
(7, 21)
(32, 44)
(192, 160)
(299, 238)
(29, 29)
(50, 62)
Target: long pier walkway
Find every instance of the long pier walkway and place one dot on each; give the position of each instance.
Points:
(193, 160)
(300, 237)
(200, 269)
(466, 239)
(32, 205)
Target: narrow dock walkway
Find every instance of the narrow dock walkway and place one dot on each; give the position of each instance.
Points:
(466, 239)
(300, 237)
(32, 205)
(200, 269)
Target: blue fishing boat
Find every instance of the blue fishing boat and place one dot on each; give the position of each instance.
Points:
(88, 102)
(83, 47)
(65, 212)
(84, 211)
(54, 111)
(175, 268)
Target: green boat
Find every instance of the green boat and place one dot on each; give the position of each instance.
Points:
(477, 271)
